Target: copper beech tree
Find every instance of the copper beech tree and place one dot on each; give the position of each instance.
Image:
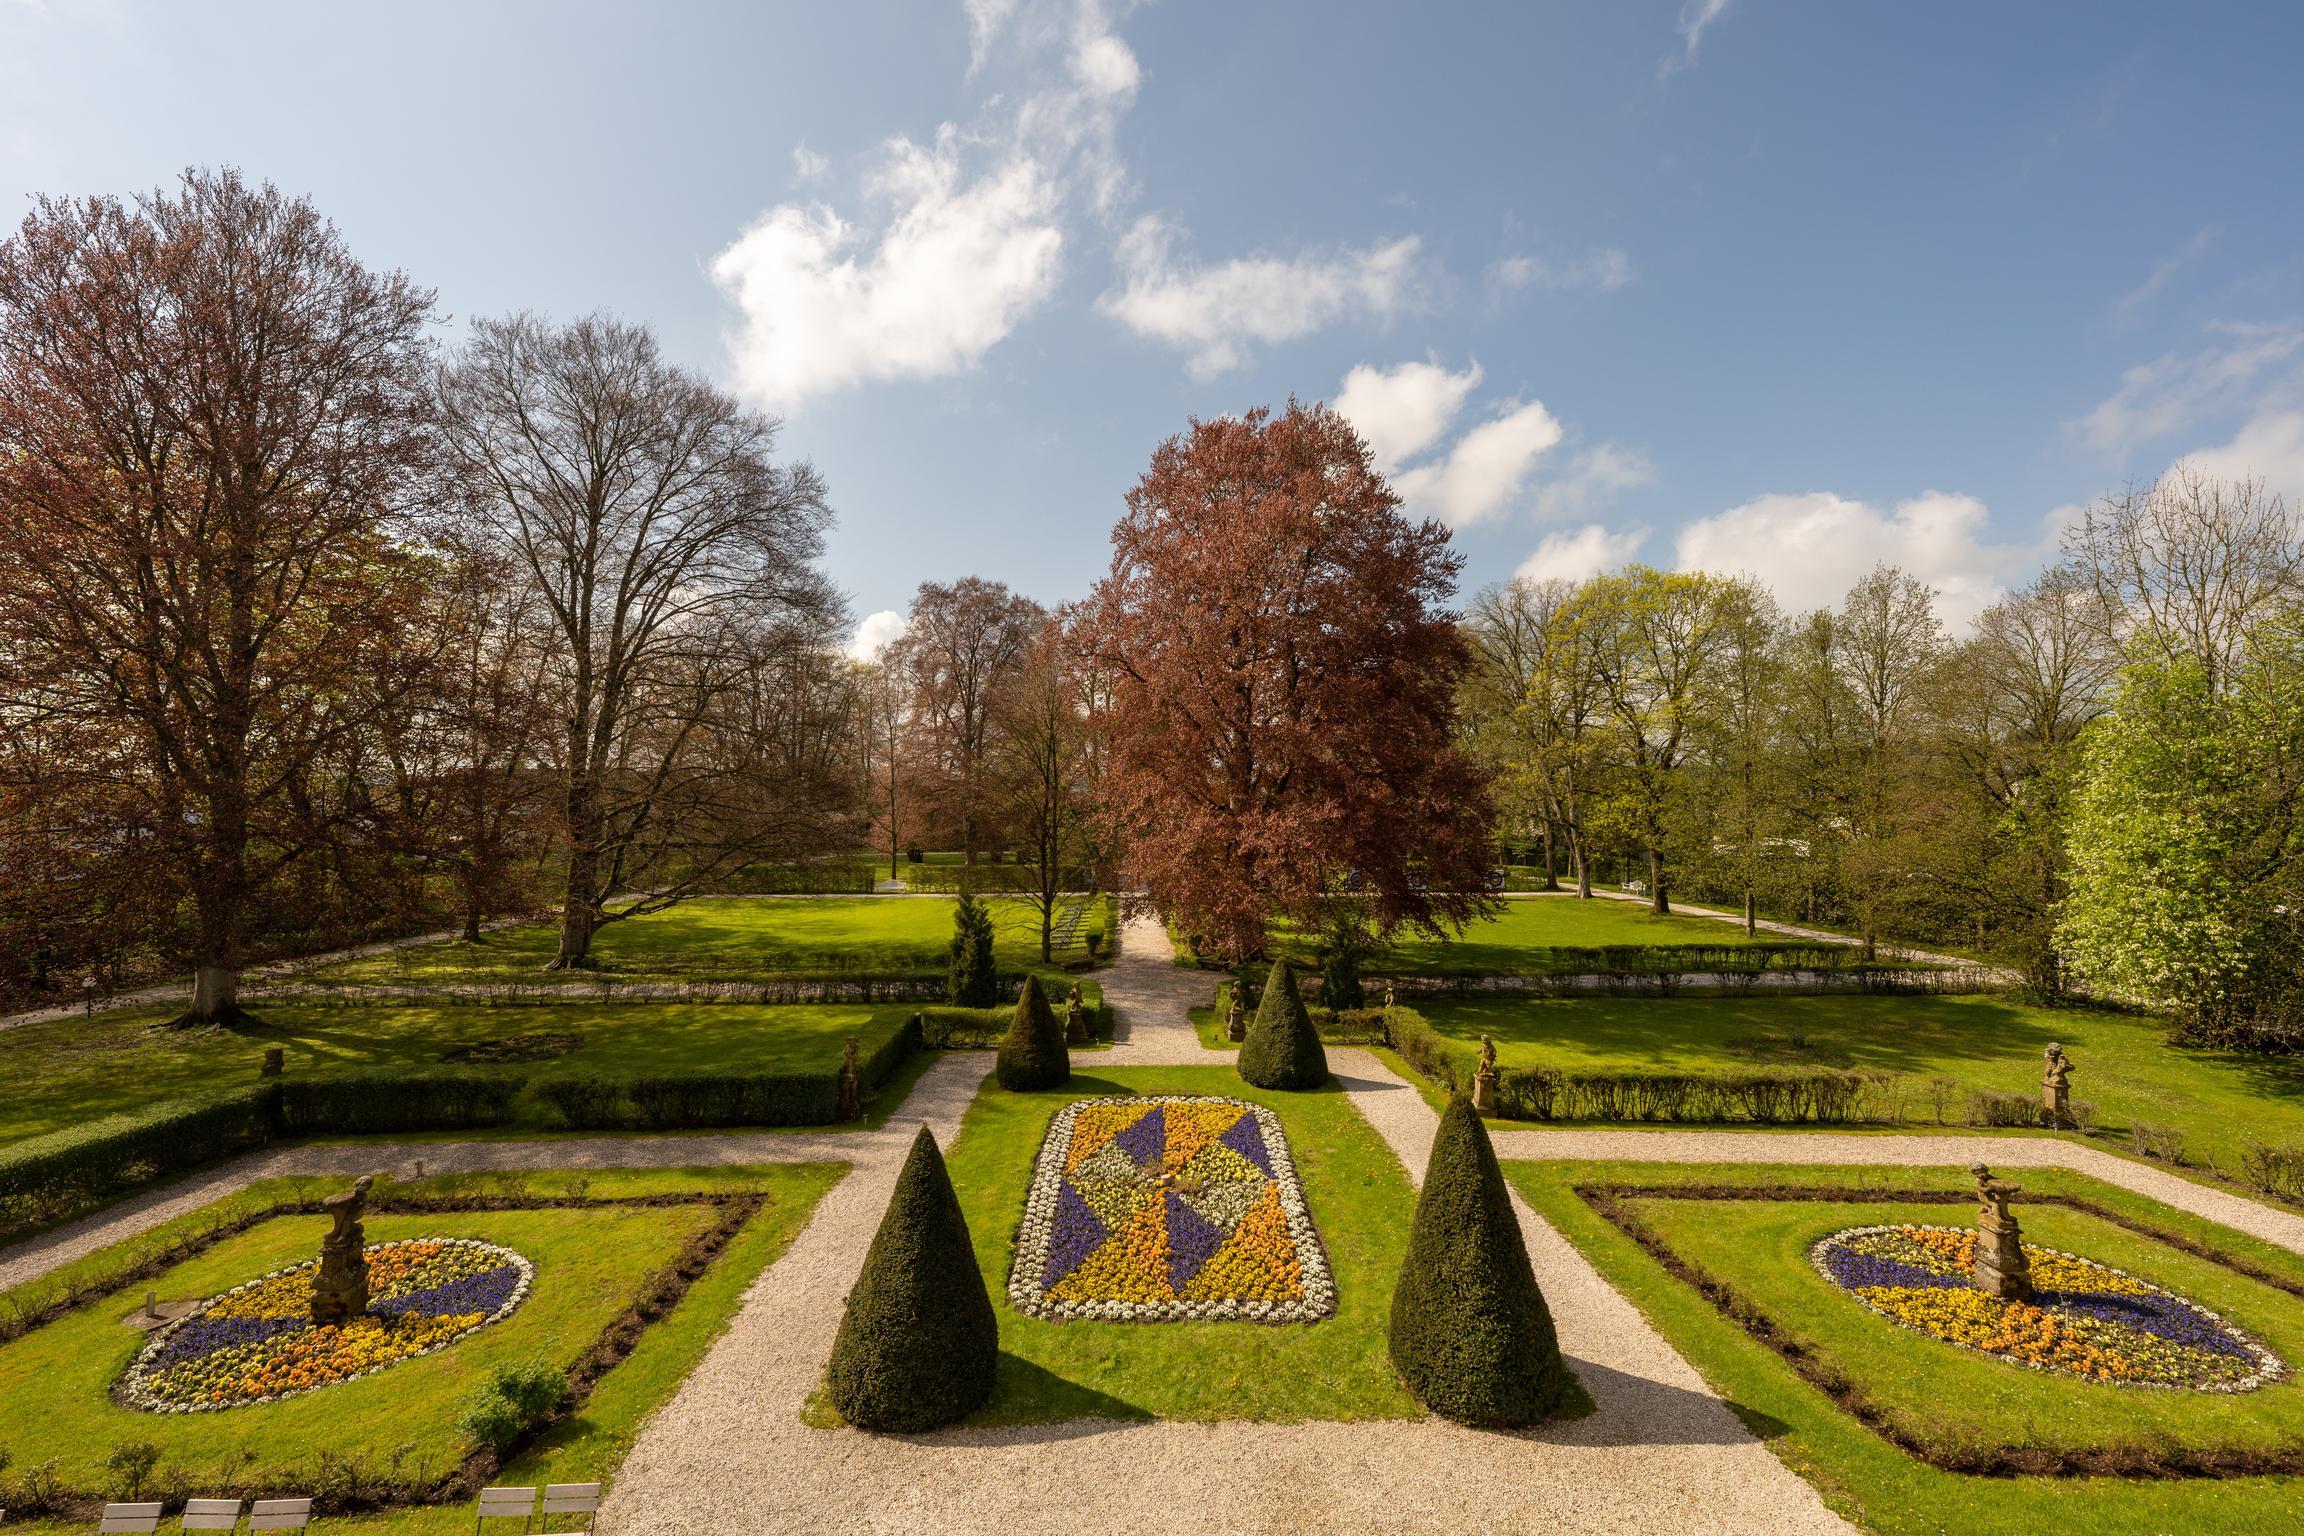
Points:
(1282, 683)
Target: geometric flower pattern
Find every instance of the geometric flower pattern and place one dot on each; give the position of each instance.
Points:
(1155, 1208)
(2085, 1319)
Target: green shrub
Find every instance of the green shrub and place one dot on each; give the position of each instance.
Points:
(1990, 1107)
(50, 1176)
(1282, 1049)
(1471, 1335)
(514, 1399)
(919, 1341)
(1032, 1053)
(358, 1103)
(971, 979)
(963, 1029)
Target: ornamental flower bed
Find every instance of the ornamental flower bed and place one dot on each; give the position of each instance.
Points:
(2085, 1319)
(1157, 1209)
(256, 1343)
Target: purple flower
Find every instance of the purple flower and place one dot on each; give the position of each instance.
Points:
(1855, 1270)
(481, 1294)
(198, 1337)
(2163, 1317)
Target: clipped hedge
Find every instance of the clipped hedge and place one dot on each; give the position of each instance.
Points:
(671, 1101)
(1282, 1049)
(369, 1103)
(918, 1340)
(1032, 1053)
(49, 1176)
(1470, 1332)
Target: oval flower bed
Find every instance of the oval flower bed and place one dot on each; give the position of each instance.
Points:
(2085, 1319)
(257, 1343)
(1156, 1208)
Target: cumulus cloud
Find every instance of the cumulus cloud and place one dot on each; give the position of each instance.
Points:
(2173, 392)
(876, 633)
(1403, 411)
(1810, 549)
(1603, 267)
(964, 236)
(2268, 447)
(1593, 478)
(1215, 311)
(1696, 18)
(1573, 555)
(1486, 469)
(807, 164)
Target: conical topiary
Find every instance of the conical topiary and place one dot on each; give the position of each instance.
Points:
(971, 978)
(919, 1340)
(1471, 1335)
(1032, 1053)
(1283, 1049)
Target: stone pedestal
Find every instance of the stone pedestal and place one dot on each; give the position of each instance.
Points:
(1075, 1023)
(340, 1292)
(2056, 1090)
(1484, 1091)
(2001, 1268)
(1236, 1022)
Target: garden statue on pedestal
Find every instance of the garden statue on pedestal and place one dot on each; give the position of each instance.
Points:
(1075, 1018)
(2056, 1088)
(340, 1290)
(851, 1097)
(2001, 1268)
(1391, 998)
(1236, 1021)
(1484, 1079)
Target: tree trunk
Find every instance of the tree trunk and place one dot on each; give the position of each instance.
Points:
(1751, 923)
(219, 897)
(471, 922)
(1551, 865)
(1658, 903)
(579, 910)
(1583, 864)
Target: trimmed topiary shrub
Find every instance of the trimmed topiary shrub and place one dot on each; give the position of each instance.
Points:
(919, 1340)
(1032, 1053)
(1471, 1335)
(1282, 1049)
(971, 978)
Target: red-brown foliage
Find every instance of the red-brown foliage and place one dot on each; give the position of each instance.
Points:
(1283, 687)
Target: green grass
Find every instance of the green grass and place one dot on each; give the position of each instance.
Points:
(590, 1444)
(1514, 941)
(1334, 1369)
(2122, 1064)
(721, 939)
(1862, 1475)
(71, 1070)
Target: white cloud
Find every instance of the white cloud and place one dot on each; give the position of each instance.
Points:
(876, 633)
(807, 164)
(1485, 470)
(1403, 411)
(1811, 549)
(1587, 551)
(1604, 267)
(2269, 447)
(1214, 312)
(966, 235)
(2128, 305)
(2172, 392)
(1591, 480)
(1696, 16)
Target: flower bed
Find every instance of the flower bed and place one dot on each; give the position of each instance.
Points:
(256, 1343)
(2085, 1319)
(1161, 1208)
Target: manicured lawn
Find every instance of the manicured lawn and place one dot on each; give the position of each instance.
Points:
(71, 1070)
(1758, 1248)
(2122, 1063)
(723, 939)
(1338, 1368)
(591, 1443)
(1513, 942)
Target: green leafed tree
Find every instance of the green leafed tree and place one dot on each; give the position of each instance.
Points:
(919, 1340)
(1471, 1335)
(971, 978)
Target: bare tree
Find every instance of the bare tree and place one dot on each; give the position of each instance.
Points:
(674, 557)
(960, 645)
(1884, 644)
(213, 423)
(2190, 565)
(1038, 767)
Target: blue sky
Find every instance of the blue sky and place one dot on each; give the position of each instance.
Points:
(1752, 284)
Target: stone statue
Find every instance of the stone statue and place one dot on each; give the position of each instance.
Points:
(1075, 1019)
(340, 1290)
(1391, 998)
(2056, 1088)
(851, 1088)
(1236, 1021)
(2001, 1268)
(1484, 1079)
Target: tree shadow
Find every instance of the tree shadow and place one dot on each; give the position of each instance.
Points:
(1635, 1410)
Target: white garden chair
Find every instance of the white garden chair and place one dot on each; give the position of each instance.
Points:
(563, 1502)
(505, 1504)
(130, 1520)
(211, 1515)
(280, 1515)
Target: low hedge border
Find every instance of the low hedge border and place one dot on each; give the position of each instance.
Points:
(946, 1028)
(658, 1296)
(1607, 1201)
